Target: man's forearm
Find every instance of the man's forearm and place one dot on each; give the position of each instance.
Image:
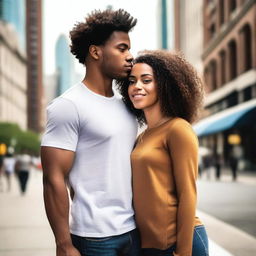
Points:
(57, 209)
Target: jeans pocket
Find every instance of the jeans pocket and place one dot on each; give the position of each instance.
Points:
(79, 244)
(200, 241)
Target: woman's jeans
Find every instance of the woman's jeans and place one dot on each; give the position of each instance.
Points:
(199, 248)
(127, 244)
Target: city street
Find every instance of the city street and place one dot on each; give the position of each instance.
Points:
(24, 229)
(231, 202)
(231, 211)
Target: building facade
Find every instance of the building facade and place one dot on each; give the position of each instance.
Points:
(229, 61)
(13, 78)
(34, 59)
(13, 12)
(189, 31)
(223, 46)
(228, 56)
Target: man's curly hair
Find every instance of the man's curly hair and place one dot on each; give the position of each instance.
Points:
(97, 29)
(180, 90)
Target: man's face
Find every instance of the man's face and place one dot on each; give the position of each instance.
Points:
(116, 59)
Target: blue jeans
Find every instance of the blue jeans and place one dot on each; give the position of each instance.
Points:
(127, 244)
(199, 248)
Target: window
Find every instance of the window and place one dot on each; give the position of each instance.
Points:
(232, 5)
(247, 51)
(223, 67)
(212, 30)
(213, 69)
(221, 11)
(232, 60)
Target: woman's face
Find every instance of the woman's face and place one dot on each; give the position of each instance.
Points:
(142, 87)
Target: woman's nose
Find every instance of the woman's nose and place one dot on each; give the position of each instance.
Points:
(137, 85)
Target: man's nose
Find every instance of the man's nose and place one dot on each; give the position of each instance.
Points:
(129, 58)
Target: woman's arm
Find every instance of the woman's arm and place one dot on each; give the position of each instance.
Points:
(184, 154)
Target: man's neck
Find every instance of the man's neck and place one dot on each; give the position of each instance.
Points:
(98, 84)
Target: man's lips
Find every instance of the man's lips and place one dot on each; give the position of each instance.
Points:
(128, 67)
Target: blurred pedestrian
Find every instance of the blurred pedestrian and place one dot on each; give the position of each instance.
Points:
(233, 162)
(165, 92)
(200, 165)
(22, 169)
(1, 172)
(88, 141)
(208, 165)
(217, 165)
(8, 167)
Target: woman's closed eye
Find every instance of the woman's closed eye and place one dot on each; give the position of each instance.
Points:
(131, 82)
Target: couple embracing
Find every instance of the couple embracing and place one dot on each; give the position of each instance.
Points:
(130, 196)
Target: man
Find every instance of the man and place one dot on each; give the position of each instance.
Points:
(22, 169)
(87, 144)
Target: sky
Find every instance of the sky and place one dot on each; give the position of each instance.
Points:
(59, 17)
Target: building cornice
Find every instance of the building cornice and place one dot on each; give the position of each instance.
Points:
(238, 84)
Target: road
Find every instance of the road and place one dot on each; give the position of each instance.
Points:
(231, 202)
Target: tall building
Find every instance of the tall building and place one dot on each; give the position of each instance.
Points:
(34, 55)
(165, 24)
(64, 65)
(229, 63)
(13, 78)
(189, 31)
(13, 12)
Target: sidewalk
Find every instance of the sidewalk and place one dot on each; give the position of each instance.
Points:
(245, 177)
(24, 229)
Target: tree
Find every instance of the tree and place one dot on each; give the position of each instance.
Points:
(13, 136)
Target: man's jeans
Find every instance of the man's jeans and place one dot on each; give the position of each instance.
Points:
(200, 245)
(127, 244)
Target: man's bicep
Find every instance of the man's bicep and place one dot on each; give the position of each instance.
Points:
(56, 160)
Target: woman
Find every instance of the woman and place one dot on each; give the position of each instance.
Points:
(164, 92)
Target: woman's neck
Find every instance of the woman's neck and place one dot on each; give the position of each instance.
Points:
(154, 117)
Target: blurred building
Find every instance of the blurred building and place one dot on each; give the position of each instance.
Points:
(64, 65)
(34, 55)
(13, 12)
(229, 67)
(189, 31)
(13, 77)
(165, 24)
(50, 87)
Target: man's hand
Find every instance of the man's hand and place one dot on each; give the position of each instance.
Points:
(68, 250)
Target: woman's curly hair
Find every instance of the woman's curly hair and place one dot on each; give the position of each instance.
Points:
(180, 90)
(97, 29)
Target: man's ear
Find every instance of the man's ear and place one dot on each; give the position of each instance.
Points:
(95, 51)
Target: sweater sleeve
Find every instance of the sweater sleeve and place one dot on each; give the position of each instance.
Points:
(183, 146)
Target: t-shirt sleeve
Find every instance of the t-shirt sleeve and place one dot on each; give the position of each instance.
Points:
(183, 145)
(62, 128)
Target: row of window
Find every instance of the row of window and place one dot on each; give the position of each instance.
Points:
(221, 13)
(233, 99)
(227, 63)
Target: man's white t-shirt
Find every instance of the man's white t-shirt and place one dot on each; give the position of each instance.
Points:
(101, 132)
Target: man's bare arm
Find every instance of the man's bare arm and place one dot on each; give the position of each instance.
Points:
(56, 165)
